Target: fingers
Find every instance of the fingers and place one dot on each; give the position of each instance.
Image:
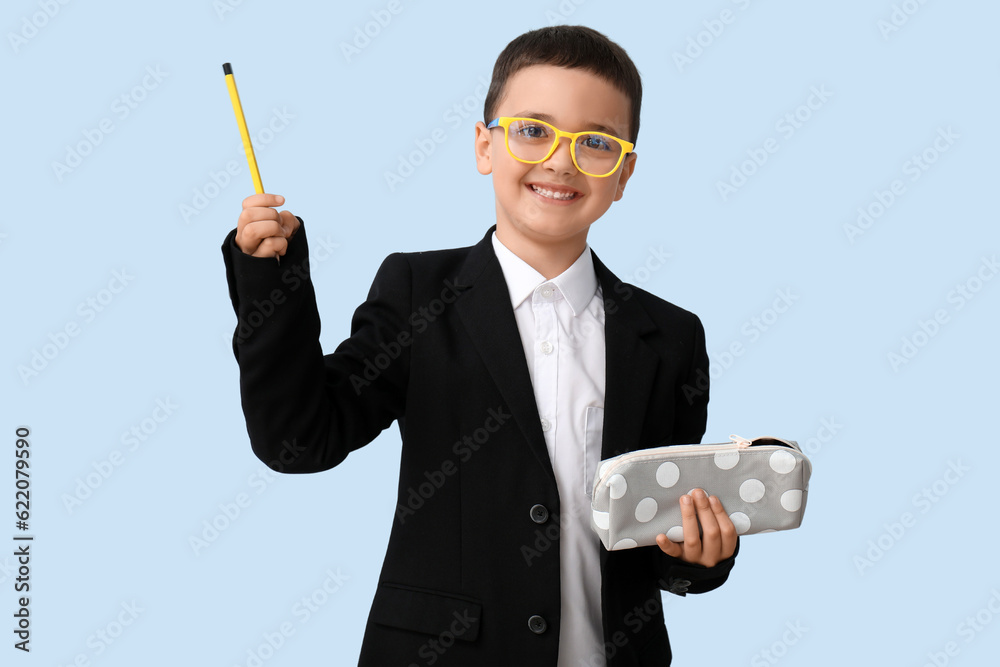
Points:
(711, 536)
(289, 224)
(727, 530)
(689, 523)
(263, 199)
(668, 547)
(259, 222)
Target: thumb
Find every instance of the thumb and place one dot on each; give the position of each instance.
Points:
(668, 546)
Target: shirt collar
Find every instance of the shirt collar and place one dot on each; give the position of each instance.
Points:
(578, 283)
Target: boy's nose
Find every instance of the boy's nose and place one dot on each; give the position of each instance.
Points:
(562, 159)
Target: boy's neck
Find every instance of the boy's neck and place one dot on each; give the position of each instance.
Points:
(550, 260)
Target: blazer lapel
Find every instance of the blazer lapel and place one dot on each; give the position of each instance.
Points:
(486, 311)
(630, 363)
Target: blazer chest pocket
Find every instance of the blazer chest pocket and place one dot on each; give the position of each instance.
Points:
(426, 611)
(593, 437)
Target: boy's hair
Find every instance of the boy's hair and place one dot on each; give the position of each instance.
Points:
(572, 46)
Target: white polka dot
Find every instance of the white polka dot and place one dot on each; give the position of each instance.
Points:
(792, 500)
(740, 521)
(602, 519)
(782, 462)
(752, 490)
(667, 474)
(624, 544)
(604, 468)
(675, 534)
(727, 460)
(645, 510)
(618, 486)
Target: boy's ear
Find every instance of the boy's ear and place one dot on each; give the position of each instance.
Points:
(484, 149)
(626, 174)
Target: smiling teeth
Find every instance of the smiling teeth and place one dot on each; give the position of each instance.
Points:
(553, 195)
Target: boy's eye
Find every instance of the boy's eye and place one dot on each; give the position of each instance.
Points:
(531, 131)
(596, 142)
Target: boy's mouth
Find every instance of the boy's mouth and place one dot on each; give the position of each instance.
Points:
(554, 191)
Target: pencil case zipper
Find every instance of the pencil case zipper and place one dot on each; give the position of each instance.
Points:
(738, 443)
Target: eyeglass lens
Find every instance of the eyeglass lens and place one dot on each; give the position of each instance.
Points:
(596, 153)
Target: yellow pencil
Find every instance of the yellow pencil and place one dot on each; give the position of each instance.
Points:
(238, 109)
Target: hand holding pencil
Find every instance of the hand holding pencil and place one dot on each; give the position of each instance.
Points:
(261, 230)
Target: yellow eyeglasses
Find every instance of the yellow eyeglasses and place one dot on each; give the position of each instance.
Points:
(532, 141)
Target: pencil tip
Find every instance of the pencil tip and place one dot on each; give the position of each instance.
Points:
(227, 68)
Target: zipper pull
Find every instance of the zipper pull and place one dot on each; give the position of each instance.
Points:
(741, 443)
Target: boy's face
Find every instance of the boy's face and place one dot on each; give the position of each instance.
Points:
(573, 100)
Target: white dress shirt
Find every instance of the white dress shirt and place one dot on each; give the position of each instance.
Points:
(561, 322)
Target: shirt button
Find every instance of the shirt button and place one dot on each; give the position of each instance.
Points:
(546, 347)
(537, 624)
(546, 425)
(547, 291)
(539, 513)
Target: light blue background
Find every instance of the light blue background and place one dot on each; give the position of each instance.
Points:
(166, 335)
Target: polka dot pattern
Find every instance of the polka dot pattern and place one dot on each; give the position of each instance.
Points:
(763, 489)
(667, 474)
(618, 486)
(645, 510)
(727, 460)
(741, 522)
(792, 500)
(782, 462)
(752, 490)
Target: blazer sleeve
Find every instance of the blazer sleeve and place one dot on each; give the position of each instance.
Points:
(305, 412)
(690, 419)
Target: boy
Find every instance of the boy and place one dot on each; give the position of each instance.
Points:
(503, 363)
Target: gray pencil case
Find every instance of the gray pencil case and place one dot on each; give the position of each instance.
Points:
(762, 484)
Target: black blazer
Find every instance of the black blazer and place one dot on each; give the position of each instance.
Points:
(471, 572)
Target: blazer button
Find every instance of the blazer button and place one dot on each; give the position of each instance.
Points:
(537, 624)
(539, 514)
